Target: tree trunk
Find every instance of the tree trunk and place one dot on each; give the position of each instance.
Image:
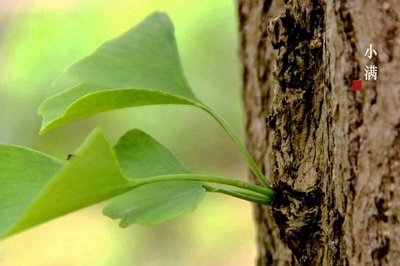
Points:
(332, 153)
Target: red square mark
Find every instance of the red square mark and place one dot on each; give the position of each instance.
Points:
(356, 85)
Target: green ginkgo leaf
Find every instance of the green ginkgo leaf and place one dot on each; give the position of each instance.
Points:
(140, 67)
(149, 184)
(141, 156)
(23, 174)
(36, 188)
(50, 189)
(155, 203)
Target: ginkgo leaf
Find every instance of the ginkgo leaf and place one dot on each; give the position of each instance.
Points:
(150, 185)
(155, 203)
(36, 188)
(140, 156)
(91, 176)
(23, 174)
(151, 203)
(140, 67)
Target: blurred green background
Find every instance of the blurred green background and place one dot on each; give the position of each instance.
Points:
(38, 39)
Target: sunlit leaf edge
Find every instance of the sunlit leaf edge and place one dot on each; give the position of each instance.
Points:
(94, 103)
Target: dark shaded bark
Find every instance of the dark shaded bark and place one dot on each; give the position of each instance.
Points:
(333, 154)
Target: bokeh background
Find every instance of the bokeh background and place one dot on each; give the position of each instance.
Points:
(38, 39)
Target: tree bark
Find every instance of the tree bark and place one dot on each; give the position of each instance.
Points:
(333, 154)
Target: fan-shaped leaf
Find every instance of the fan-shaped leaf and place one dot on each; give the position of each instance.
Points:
(140, 156)
(140, 67)
(23, 174)
(91, 176)
(36, 188)
(155, 203)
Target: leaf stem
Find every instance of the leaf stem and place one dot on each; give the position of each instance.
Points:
(249, 196)
(253, 166)
(204, 178)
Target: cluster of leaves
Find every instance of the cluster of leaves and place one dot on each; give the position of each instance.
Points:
(147, 182)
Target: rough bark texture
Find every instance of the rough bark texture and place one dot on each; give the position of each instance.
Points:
(333, 154)
(258, 58)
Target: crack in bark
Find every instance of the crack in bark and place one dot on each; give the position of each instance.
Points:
(298, 215)
(258, 57)
(298, 150)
